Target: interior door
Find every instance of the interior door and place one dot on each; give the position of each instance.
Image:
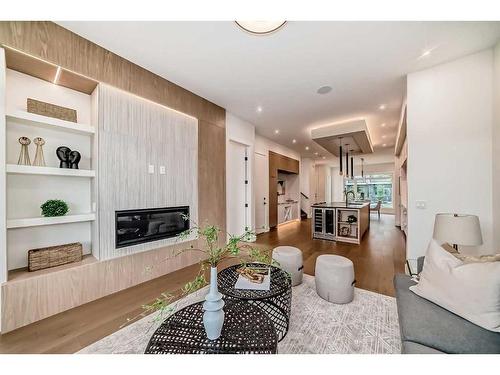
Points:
(261, 193)
(236, 190)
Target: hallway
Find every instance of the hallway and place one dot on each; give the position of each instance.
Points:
(380, 256)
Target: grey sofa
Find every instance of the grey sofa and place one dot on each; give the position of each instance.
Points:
(427, 328)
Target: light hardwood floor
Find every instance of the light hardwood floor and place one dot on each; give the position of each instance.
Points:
(376, 260)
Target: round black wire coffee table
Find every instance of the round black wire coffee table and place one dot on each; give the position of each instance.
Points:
(246, 330)
(275, 302)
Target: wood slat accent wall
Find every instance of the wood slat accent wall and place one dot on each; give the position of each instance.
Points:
(164, 138)
(26, 301)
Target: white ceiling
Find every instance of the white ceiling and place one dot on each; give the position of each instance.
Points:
(364, 62)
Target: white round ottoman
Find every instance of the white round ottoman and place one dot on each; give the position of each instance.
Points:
(334, 278)
(290, 260)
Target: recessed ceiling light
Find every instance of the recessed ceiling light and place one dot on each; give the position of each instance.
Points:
(307, 147)
(385, 144)
(426, 53)
(324, 157)
(383, 125)
(260, 27)
(259, 109)
(294, 141)
(324, 90)
(384, 136)
(316, 153)
(276, 131)
(382, 107)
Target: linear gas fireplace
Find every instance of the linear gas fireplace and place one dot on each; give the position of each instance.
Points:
(139, 226)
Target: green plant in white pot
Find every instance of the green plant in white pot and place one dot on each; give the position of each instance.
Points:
(214, 254)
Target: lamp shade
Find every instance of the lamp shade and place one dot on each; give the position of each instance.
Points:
(458, 229)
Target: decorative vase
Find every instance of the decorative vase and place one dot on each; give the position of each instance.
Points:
(213, 317)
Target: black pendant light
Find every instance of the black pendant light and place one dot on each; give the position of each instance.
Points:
(340, 157)
(352, 166)
(362, 168)
(347, 160)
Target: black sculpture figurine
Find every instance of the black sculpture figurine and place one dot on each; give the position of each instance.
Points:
(74, 159)
(62, 153)
(68, 158)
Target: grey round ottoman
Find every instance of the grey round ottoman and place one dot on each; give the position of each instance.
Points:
(334, 277)
(290, 260)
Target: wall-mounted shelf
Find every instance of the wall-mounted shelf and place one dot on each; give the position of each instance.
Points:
(38, 221)
(48, 171)
(23, 273)
(32, 119)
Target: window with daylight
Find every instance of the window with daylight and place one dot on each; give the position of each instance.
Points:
(375, 187)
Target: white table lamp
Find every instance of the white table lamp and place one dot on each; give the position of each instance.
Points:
(458, 229)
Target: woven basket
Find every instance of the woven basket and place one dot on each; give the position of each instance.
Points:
(51, 110)
(52, 256)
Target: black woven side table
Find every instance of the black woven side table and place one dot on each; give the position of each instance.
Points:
(275, 302)
(246, 330)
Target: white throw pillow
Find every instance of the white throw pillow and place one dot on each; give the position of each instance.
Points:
(470, 290)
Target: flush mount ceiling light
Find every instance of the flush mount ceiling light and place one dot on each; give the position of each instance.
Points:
(294, 141)
(324, 90)
(276, 131)
(259, 109)
(382, 107)
(260, 27)
(426, 52)
(307, 148)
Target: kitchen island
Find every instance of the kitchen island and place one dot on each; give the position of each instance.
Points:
(338, 221)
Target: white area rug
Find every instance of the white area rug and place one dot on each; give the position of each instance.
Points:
(367, 325)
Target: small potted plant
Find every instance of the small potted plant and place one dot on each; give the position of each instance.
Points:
(54, 207)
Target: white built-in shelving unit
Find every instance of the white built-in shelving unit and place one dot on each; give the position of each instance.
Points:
(32, 119)
(48, 171)
(26, 187)
(38, 221)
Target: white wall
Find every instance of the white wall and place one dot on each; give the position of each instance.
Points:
(450, 147)
(242, 132)
(264, 145)
(496, 149)
(3, 228)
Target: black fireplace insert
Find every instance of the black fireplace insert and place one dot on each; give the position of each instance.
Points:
(139, 226)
